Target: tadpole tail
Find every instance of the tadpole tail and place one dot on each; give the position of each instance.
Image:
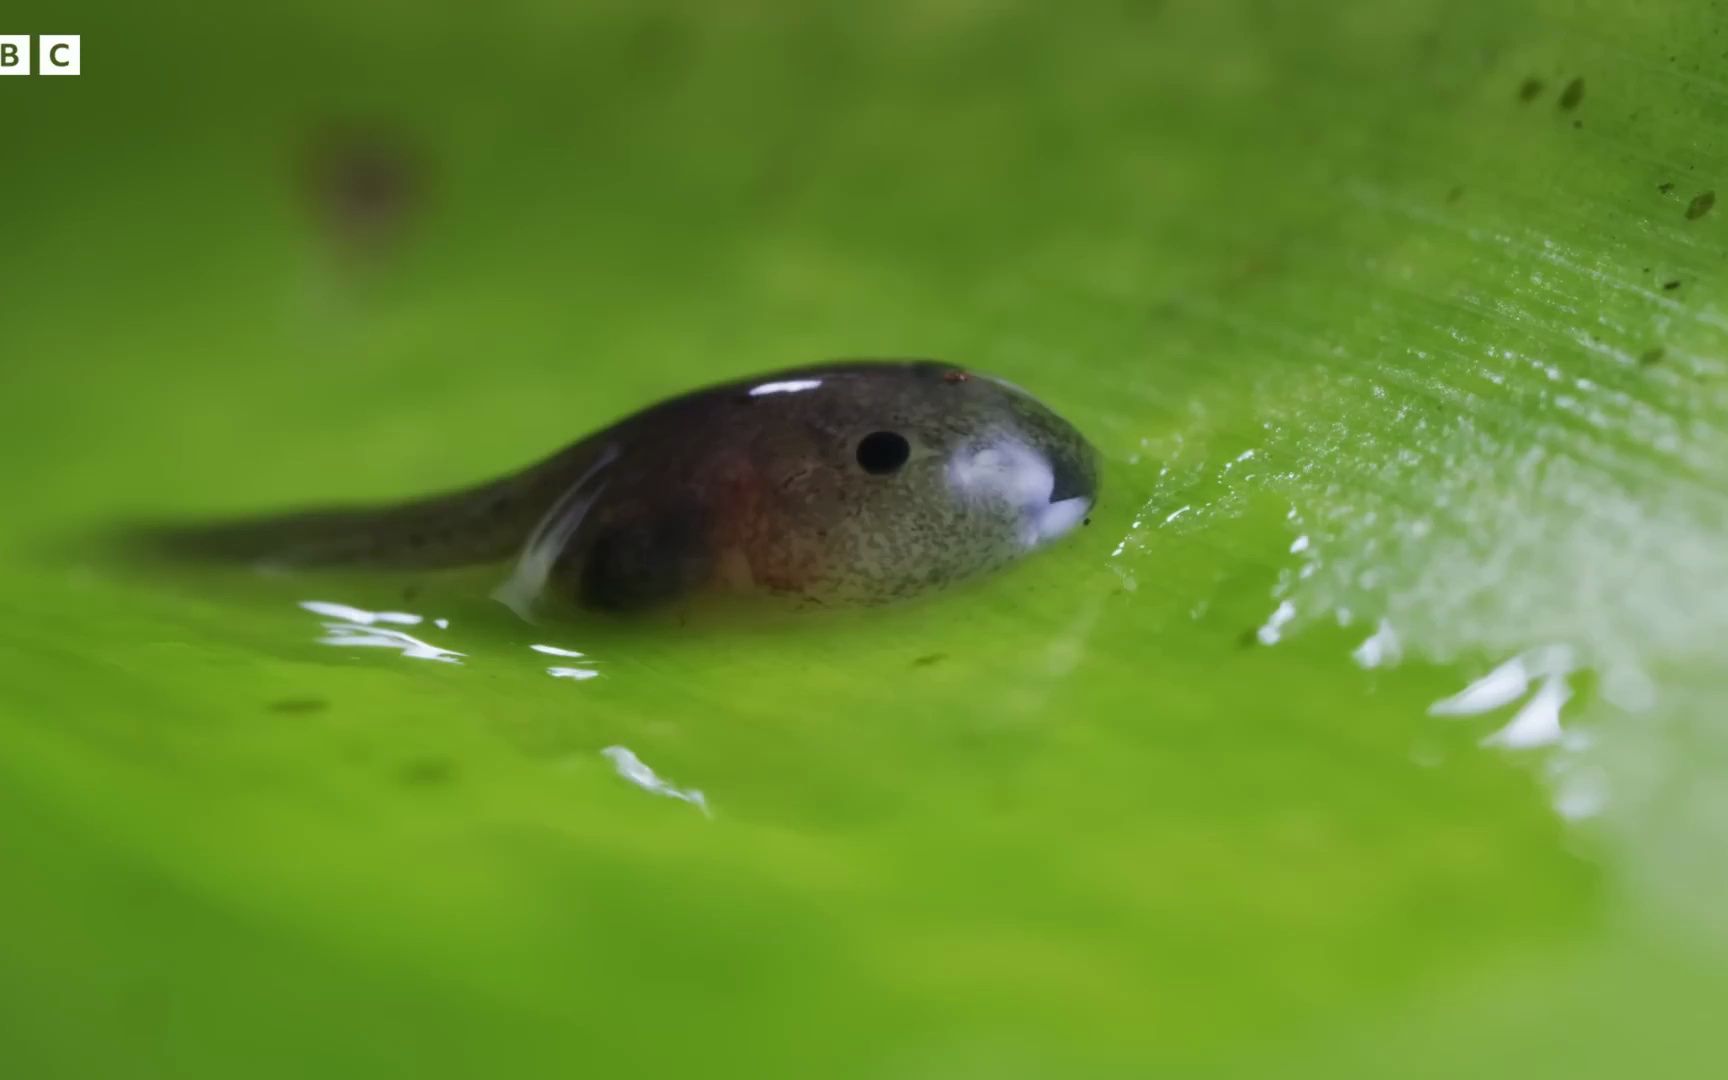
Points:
(411, 536)
(484, 524)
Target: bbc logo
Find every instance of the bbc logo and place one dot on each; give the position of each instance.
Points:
(56, 54)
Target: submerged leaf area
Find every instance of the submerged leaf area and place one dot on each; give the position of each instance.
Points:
(1374, 723)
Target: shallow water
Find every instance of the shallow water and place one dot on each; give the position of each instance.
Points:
(1376, 718)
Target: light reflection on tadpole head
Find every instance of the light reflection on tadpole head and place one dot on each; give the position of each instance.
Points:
(1050, 490)
(784, 386)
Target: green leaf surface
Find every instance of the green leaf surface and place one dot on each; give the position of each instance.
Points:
(1373, 727)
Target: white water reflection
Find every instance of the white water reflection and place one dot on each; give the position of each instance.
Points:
(1538, 722)
(576, 673)
(554, 650)
(1580, 788)
(521, 590)
(633, 769)
(1272, 631)
(346, 626)
(1381, 648)
(350, 614)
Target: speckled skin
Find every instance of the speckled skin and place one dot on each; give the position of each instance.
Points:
(753, 486)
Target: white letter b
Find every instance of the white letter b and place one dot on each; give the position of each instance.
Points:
(14, 54)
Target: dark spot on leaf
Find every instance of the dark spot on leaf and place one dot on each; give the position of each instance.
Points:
(657, 44)
(929, 659)
(1248, 638)
(1666, 187)
(1455, 194)
(1671, 285)
(410, 594)
(1085, 521)
(1529, 88)
(1652, 357)
(364, 183)
(1573, 94)
(1700, 205)
(298, 705)
(428, 772)
(1578, 123)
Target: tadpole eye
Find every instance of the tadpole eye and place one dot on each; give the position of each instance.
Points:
(882, 452)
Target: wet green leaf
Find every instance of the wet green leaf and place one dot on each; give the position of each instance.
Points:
(1373, 725)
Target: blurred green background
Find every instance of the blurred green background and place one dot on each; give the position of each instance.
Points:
(1400, 325)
